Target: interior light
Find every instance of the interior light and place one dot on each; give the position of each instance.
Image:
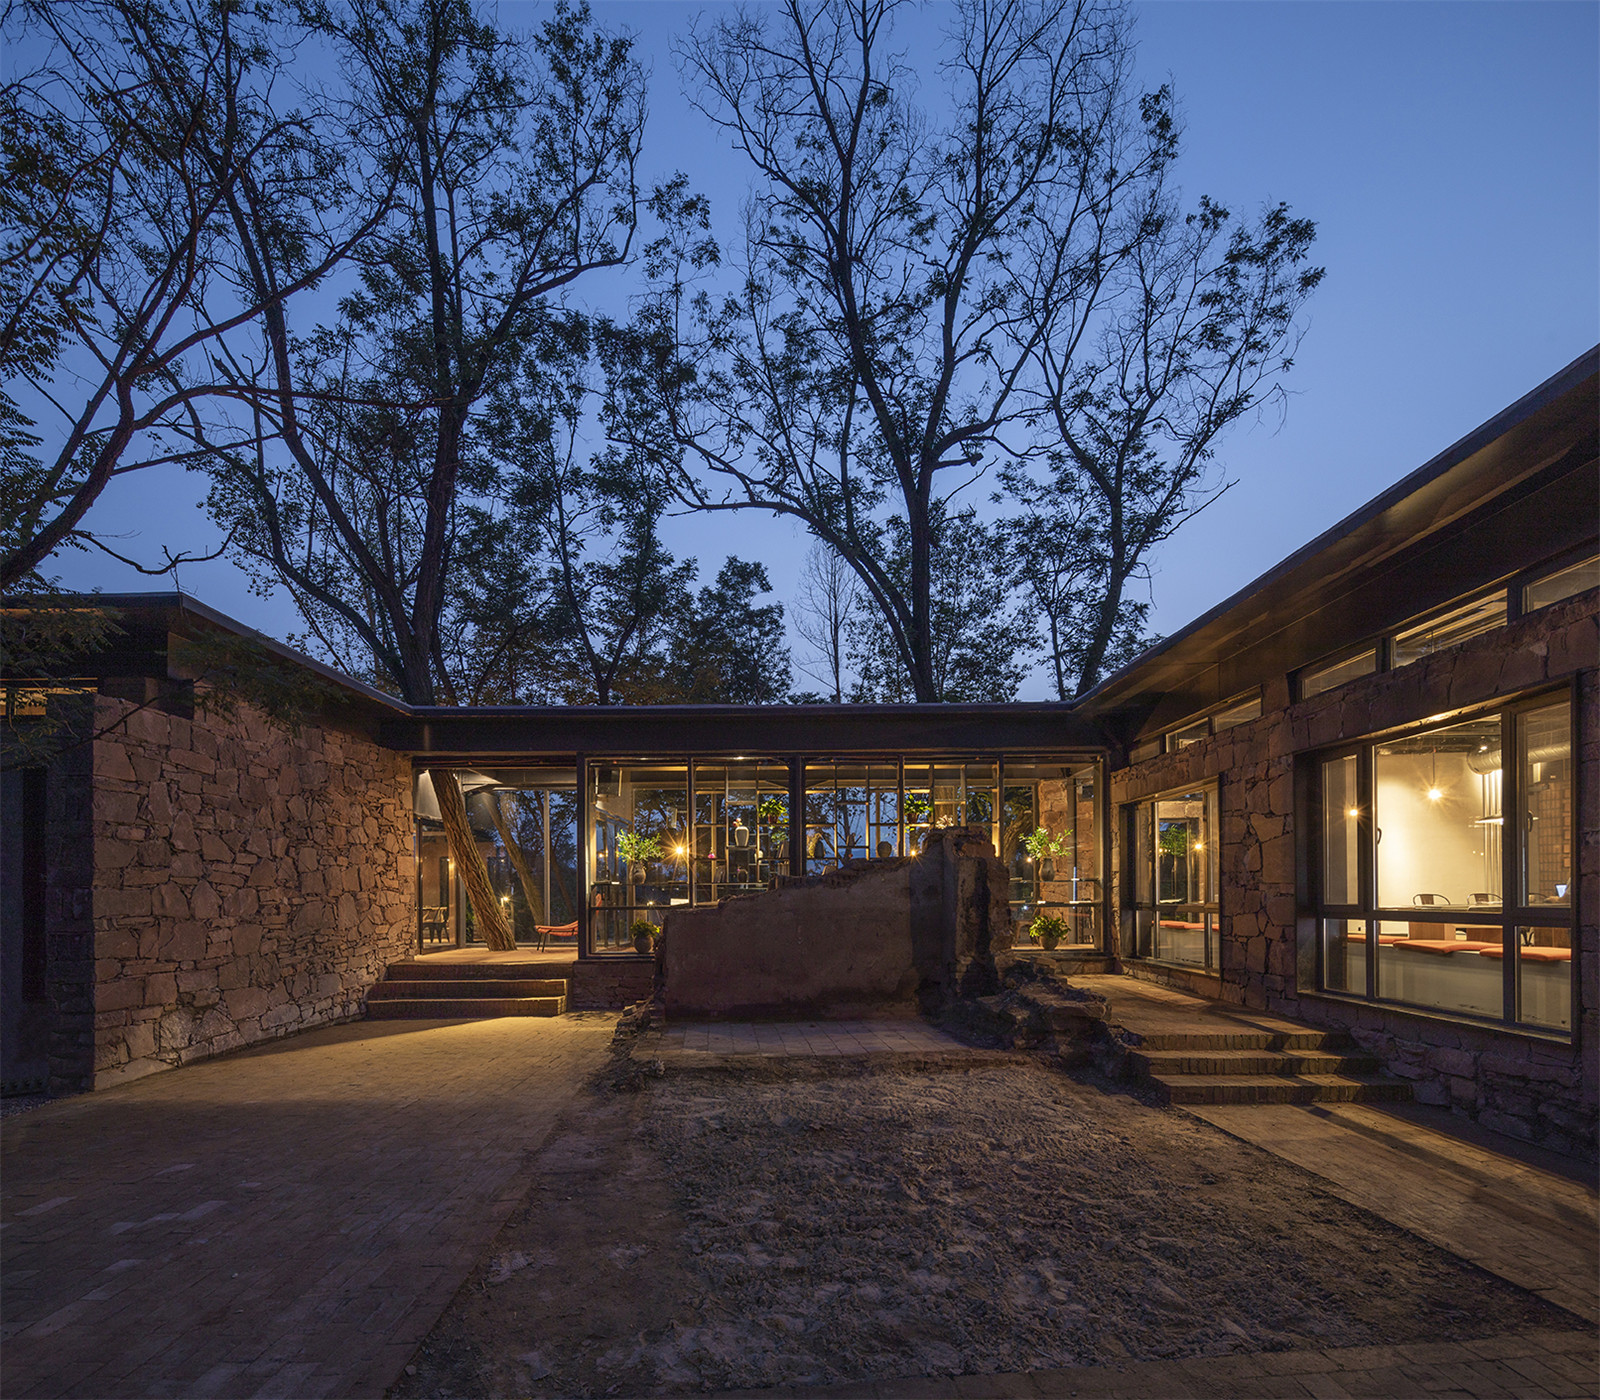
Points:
(1352, 811)
(1434, 794)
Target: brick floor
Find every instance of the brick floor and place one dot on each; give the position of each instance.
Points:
(286, 1222)
(704, 1044)
(1536, 1364)
(1526, 1224)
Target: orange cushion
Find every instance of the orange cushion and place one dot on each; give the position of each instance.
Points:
(1442, 947)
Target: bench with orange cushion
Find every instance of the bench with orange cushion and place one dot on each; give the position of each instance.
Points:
(1534, 954)
(1442, 947)
(1173, 923)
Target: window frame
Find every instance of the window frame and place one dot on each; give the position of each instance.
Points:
(1513, 912)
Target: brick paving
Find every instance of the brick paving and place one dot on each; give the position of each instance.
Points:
(804, 1038)
(286, 1222)
(1538, 1365)
(1531, 1226)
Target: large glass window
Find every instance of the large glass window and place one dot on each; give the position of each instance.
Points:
(852, 812)
(1050, 843)
(1174, 880)
(741, 827)
(524, 822)
(1462, 882)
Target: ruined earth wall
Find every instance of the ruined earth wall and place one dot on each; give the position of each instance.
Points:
(247, 882)
(1534, 1087)
(874, 935)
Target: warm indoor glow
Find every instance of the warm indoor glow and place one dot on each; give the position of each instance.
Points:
(1352, 811)
(1434, 794)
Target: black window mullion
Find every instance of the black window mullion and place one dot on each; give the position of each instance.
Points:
(1511, 859)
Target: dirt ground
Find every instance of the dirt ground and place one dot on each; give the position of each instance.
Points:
(710, 1233)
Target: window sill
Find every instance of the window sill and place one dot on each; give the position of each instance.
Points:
(1543, 1034)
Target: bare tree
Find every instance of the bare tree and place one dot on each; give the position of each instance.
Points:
(120, 280)
(920, 294)
(823, 608)
(1198, 333)
(895, 282)
(514, 158)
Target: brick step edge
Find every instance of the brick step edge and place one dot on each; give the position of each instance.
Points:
(464, 1009)
(1322, 1042)
(1256, 1062)
(500, 988)
(1310, 1088)
(469, 972)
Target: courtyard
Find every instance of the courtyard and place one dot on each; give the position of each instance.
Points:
(515, 1207)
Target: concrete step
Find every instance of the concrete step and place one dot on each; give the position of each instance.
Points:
(463, 1008)
(1327, 1042)
(1272, 1088)
(1163, 1063)
(495, 988)
(466, 971)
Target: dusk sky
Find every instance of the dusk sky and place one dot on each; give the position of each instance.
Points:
(1449, 154)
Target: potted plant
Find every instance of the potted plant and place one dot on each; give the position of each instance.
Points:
(644, 935)
(1044, 848)
(636, 850)
(1049, 929)
(773, 811)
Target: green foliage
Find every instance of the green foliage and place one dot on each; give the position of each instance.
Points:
(637, 849)
(1041, 845)
(642, 928)
(1049, 929)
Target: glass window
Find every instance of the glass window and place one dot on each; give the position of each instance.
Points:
(1446, 967)
(639, 856)
(1317, 679)
(1341, 815)
(1564, 583)
(741, 827)
(524, 822)
(1544, 977)
(1545, 783)
(1240, 712)
(1344, 955)
(1437, 813)
(1445, 629)
(1445, 849)
(1189, 734)
(1175, 854)
(1051, 846)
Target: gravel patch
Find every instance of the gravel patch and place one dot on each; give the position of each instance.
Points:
(873, 1225)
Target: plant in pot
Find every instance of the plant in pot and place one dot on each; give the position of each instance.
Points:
(1049, 929)
(636, 850)
(1044, 848)
(643, 933)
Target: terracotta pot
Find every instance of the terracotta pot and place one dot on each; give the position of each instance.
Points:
(1047, 869)
(643, 943)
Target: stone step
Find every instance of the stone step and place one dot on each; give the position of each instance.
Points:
(463, 1008)
(495, 988)
(1272, 1088)
(1164, 1063)
(1329, 1042)
(466, 971)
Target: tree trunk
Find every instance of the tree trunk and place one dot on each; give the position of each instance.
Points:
(486, 910)
(533, 893)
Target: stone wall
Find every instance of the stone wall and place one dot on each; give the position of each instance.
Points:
(248, 883)
(1533, 1087)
